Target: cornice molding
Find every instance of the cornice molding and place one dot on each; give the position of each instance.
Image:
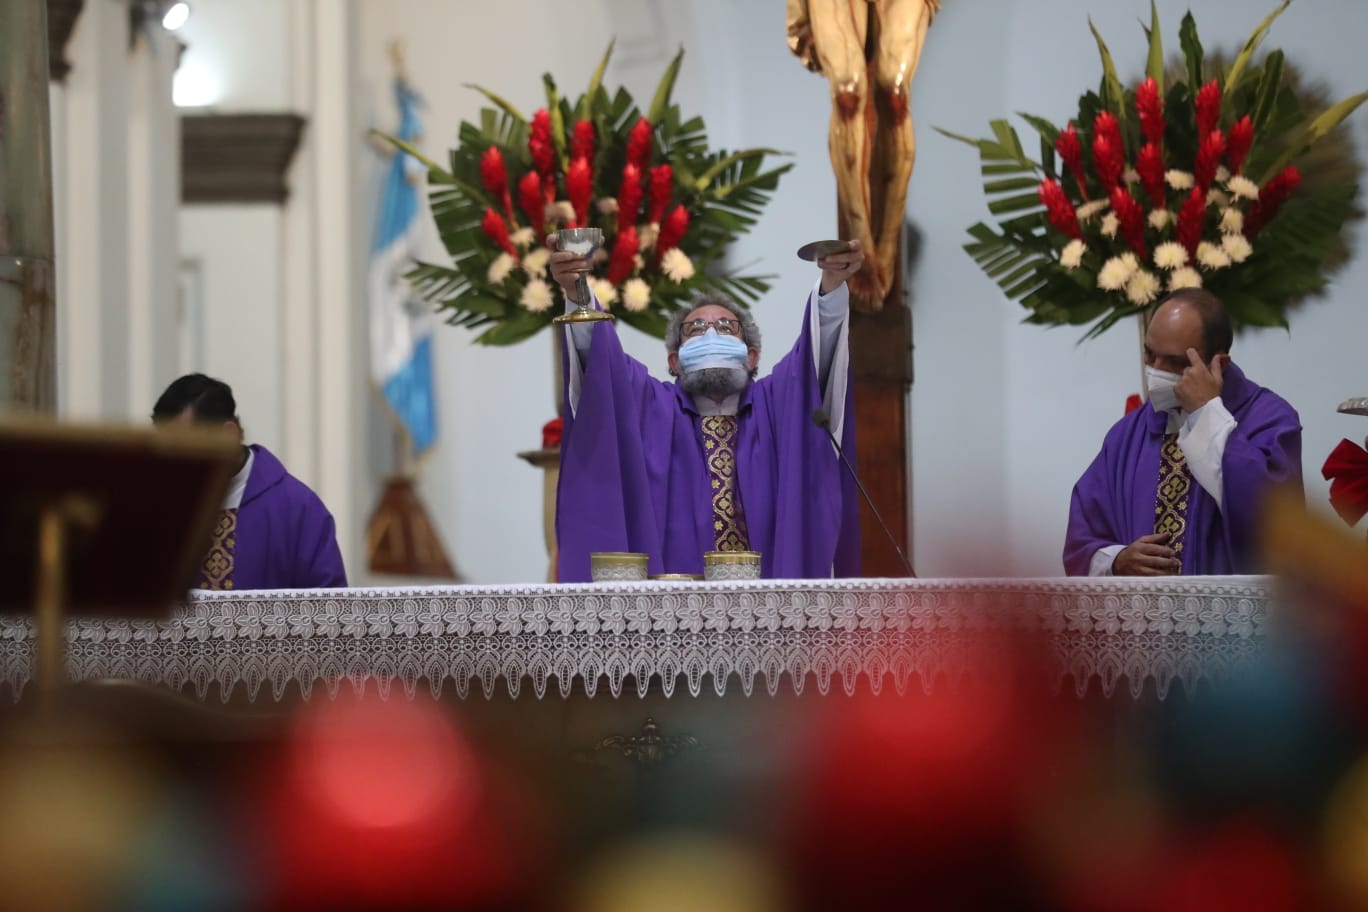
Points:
(237, 158)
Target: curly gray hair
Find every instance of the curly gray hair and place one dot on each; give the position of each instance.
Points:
(674, 330)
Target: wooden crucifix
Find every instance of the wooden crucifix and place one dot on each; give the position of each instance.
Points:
(869, 51)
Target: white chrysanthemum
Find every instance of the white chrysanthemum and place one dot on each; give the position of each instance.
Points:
(500, 268)
(636, 295)
(1211, 256)
(647, 236)
(1130, 176)
(536, 297)
(1072, 255)
(1142, 287)
(1170, 255)
(1159, 219)
(1179, 180)
(677, 265)
(1187, 277)
(1222, 173)
(1131, 260)
(1217, 198)
(524, 237)
(1232, 221)
(638, 262)
(535, 262)
(1110, 223)
(562, 211)
(1237, 247)
(1114, 274)
(1243, 187)
(608, 205)
(1090, 209)
(603, 290)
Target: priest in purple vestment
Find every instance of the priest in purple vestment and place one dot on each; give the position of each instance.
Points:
(715, 460)
(1179, 482)
(273, 532)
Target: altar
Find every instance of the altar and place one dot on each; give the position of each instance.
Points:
(681, 640)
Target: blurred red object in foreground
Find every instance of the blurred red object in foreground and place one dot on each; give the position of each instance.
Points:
(920, 801)
(382, 804)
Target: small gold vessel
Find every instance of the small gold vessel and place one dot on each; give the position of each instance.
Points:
(677, 576)
(731, 565)
(616, 566)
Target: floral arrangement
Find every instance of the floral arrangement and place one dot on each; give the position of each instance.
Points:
(1158, 187)
(669, 208)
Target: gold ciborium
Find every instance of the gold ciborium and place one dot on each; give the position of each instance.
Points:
(581, 242)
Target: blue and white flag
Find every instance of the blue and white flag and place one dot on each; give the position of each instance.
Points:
(400, 324)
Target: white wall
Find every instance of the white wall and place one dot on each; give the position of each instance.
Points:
(235, 249)
(116, 183)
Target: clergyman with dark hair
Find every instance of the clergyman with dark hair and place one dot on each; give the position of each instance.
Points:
(716, 460)
(1179, 483)
(273, 532)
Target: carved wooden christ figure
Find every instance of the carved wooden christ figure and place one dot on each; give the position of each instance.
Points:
(854, 43)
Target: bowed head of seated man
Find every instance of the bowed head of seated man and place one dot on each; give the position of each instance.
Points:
(1178, 484)
(718, 458)
(273, 531)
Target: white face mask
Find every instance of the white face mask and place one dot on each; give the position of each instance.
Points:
(1160, 385)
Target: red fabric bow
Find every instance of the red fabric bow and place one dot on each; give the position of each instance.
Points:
(1347, 471)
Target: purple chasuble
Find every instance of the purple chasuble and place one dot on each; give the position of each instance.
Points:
(634, 476)
(282, 536)
(1114, 502)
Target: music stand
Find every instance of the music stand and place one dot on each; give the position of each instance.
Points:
(106, 521)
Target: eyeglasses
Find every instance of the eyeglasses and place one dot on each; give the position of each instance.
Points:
(725, 326)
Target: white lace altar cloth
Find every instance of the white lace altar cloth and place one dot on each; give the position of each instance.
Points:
(643, 634)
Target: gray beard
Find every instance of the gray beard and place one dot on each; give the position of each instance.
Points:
(714, 382)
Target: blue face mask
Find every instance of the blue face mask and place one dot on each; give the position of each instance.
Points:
(713, 350)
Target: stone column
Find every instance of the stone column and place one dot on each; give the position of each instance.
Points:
(28, 378)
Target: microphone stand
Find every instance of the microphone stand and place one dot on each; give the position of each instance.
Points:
(823, 421)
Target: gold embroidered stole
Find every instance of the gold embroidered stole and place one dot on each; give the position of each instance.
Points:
(217, 569)
(1171, 500)
(729, 520)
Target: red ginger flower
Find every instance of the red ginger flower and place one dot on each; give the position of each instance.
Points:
(1150, 107)
(579, 186)
(1109, 154)
(1149, 164)
(532, 201)
(639, 143)
(1208, 105)
(672, 229)
(1209, 153)
(662, 183)
(540, 145)
(494, 226)
(1131, 218)
(1058, 209)
(1271, 198)
(629, 196)
(582, 141)
(495, 178)
(1190, 219)
(623, 259)
(1070, 149)
(1241, 138)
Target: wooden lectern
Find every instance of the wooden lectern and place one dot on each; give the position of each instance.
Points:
(103, 521)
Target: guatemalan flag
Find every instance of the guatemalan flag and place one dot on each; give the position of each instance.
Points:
(400, 324)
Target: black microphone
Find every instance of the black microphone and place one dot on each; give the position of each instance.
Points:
(823, 421)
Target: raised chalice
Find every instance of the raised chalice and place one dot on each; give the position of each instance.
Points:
(581, 242)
